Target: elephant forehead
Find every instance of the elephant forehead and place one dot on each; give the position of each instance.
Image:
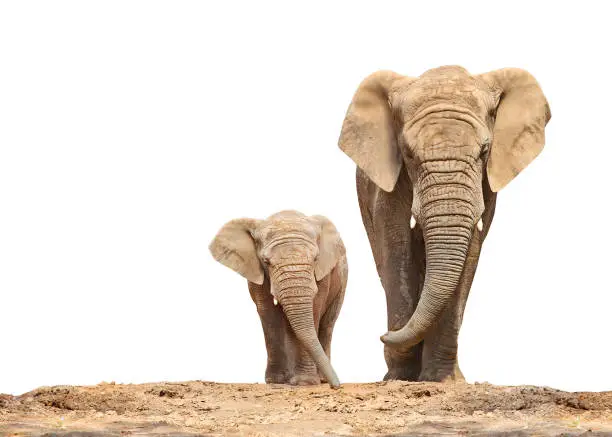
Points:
(445, 71)
(445, 85)
(298, 228)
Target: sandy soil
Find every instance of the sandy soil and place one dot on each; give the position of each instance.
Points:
(393, 408)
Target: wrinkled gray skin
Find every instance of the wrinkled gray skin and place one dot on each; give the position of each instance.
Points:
(436, 148)
(300, 261)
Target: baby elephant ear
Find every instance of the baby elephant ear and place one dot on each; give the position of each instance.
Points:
(331, 248)
(235, 248)
(518, 134)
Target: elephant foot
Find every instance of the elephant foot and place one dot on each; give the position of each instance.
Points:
(403, 365)
(400, 374)
(277, 378)
(305, 380)
(452, 374)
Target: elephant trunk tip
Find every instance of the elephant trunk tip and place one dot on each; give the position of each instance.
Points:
(334, 383)
(332, 379)
(398, 338)
(389, 339)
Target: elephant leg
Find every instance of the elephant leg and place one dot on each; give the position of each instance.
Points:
(327, 323)
(276, 329)
(337, 288)
(402, 364)
(441, 343)
(402, 282)
(325, 332)
(399, 255)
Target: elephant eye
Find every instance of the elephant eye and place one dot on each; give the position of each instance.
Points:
(486, 144)
(407, 152)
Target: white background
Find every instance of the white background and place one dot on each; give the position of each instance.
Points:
(130, 132)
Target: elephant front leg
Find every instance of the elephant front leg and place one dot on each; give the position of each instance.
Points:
(278, 368)
(402, 364)
(440, 356)
(441, 344)
(326, 326)
(337, 287)
(402, 277)
(275, 328)
(399, 254)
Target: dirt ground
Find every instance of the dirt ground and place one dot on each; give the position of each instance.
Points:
(384, 408)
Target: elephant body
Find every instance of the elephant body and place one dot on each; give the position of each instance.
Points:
(432, 152)
(399, 253)
(297, 271)
(288, 361)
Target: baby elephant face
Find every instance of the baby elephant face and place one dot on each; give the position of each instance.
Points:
(296, 254)
(288, 235)
(254, 247)
(288, 248)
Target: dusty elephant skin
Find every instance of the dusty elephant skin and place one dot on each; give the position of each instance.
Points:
(432, 152)
(197, 408)
(298, 262)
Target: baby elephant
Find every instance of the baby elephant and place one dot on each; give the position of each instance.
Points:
(298, 262)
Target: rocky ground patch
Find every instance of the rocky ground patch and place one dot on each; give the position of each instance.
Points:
(383, 408)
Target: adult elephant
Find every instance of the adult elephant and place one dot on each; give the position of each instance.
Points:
(432, 152)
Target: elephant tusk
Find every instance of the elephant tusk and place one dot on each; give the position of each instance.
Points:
(275, 302)
(412, 222)
(479, 224)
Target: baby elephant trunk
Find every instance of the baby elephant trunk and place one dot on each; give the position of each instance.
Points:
(297, 303)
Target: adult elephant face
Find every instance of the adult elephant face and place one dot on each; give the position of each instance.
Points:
(453, 132)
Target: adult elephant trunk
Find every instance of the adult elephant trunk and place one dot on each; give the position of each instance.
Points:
(447, 230)
(297, 302)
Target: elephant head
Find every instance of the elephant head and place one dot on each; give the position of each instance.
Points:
(294, 251)
(456, 135)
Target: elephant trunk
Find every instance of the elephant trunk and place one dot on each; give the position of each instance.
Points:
(297, 302)
(447, 230)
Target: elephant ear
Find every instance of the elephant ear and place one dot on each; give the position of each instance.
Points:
(331, 248)
(234, 247)
(518, 133)
(368, 134)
